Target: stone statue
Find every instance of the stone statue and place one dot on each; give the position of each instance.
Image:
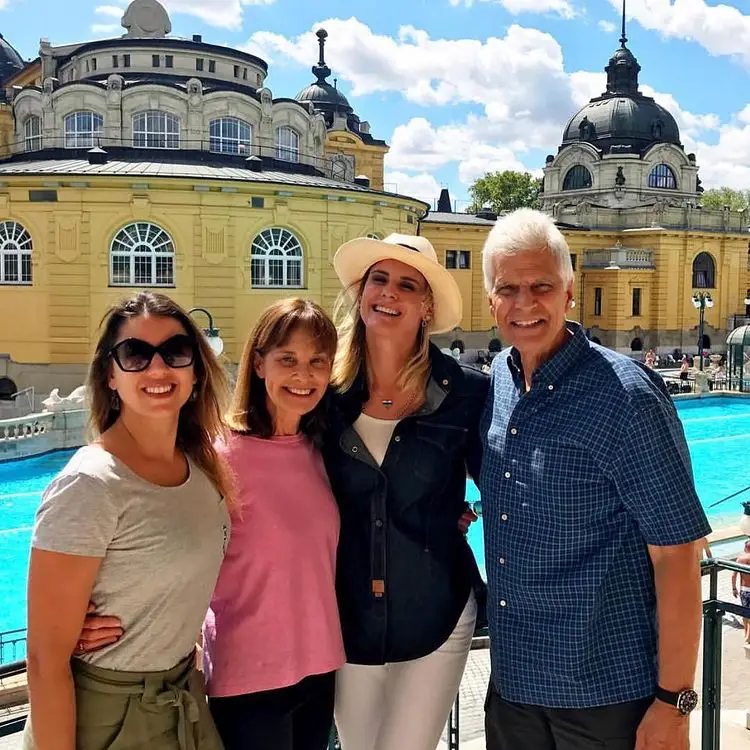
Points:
(620, 177)
(586, 129)
(146, 19)
(75, 401)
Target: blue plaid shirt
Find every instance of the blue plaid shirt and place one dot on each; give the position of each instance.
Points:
(578, 476)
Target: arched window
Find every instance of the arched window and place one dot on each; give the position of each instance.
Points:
(230, 135)
(276, 259)
(704, 272)
(7, 389)
(577, 178)
(339, 170)
(142, 254)
(705, 342)
(662, 177)
(156, 129)
(32, 132)
(83, 129)
(636, 345)
(457, 344)
(15, 253)
(287, 144)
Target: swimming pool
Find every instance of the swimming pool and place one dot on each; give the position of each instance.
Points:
(717, 429)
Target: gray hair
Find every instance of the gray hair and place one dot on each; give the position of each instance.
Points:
(525, 231)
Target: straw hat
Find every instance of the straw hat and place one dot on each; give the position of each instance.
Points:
(354, 258)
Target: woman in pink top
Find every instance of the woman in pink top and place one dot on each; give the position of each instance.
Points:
(272, 638)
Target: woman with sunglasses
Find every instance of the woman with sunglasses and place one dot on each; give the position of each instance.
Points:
(135, 523)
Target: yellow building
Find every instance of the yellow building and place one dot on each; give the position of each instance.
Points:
(626, 196)
(152, 162)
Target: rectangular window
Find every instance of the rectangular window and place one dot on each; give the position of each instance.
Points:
(88, 66)
(93, 63)
(199, 64)
(115, 61)
(451, 258)
(464, 259)
(236, 71)
(244, 74)
(597, 301)
(636, 302)
(212, 66)
(126, 61)
(257, 202)
(573, 258)
(43, 196)
(169, 61)
(155, 61)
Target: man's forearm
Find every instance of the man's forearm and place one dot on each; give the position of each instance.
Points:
(678, 597)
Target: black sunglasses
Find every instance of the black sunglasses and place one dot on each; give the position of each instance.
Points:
(134, 355)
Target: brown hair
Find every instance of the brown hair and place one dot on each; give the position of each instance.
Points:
(249, 411)
(200, 421)
(352, 352)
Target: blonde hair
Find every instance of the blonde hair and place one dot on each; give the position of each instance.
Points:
(351, 356)
(249, 411)
(200, 423)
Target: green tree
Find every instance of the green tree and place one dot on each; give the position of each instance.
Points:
(505, 191)
(737, 200)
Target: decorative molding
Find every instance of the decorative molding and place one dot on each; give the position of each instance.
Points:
(67, 245)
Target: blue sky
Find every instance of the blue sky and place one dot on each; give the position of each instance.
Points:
(459, 87)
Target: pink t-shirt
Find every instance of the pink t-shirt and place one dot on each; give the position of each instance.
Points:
(273, 618)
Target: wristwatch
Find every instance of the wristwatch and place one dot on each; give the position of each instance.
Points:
(684, 701)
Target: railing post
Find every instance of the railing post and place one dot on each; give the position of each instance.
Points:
(712, 641)
(453, 726)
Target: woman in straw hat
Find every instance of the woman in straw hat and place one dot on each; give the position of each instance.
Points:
(403, 432)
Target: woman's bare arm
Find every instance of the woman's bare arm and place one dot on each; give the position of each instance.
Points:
(59, 590)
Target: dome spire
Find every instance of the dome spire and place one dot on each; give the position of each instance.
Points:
(321, 71)
(622, 71)
(623, 38)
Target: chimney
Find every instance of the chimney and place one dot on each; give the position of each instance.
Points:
(254, 163)
(97, 155)
(197, 38)
(364, 127)
(444, 202)
(362, 180)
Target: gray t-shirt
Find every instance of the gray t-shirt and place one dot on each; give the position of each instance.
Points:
(161, 547)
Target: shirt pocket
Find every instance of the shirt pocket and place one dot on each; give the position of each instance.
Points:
(439, 448)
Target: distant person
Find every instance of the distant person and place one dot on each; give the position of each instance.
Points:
(744, 590)
(650, 360)
(591, 523)
(137, 522)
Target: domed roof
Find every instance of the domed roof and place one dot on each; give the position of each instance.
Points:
(10, 60)
(324, 97)
(622, 120)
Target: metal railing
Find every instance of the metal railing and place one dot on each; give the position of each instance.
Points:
(12, 645)
(713, 612)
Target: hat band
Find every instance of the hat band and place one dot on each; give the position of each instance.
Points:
(408, 247)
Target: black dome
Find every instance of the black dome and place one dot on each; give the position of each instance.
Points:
(323, 95)
(622, 119)
(10, 60)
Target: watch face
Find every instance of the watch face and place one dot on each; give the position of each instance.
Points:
(687, 701)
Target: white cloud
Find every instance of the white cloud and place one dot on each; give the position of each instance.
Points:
(607, 26)
(561, 7)
(423, 186)
(721, 29)
(112, 11)
(226, 14)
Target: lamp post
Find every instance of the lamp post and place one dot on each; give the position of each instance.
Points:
(211, 333)
(701, 300)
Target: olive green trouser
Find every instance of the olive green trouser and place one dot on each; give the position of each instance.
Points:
(139, 710)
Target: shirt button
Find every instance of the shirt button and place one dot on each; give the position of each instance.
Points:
(379, 523)
(504, 517)
(446, 381)
(513, 431)
(507, 475)
(550, 387)
(355, 449)
(397, 438)
(502, 561)
(503, 603)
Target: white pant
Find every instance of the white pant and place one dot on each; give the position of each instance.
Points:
(403, 705)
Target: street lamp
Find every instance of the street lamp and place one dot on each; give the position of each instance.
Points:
(701, 300)
(211, 333)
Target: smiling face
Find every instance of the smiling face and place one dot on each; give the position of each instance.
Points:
(159, 390)
(296, 375)
(395, 300)
(529, 301)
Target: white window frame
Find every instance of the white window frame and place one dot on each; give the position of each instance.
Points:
(32, 132)
(287, 144)
(230, 135)
(15, 245)
(133, 243)
(83, 129)
(155, 128)
(275, 250)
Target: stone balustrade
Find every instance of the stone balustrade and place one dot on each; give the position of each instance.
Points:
(619, 257)
(34, 434)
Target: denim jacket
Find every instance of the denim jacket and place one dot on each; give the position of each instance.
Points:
(404, 569)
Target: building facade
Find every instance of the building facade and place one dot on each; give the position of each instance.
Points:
(148, 161)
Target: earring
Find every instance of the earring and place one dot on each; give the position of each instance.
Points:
(115, 401)
(424, 322)
(194, 393)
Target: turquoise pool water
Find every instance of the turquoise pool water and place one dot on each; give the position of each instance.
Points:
(718, 432)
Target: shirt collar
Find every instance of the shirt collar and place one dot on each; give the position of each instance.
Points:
(564, 359)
